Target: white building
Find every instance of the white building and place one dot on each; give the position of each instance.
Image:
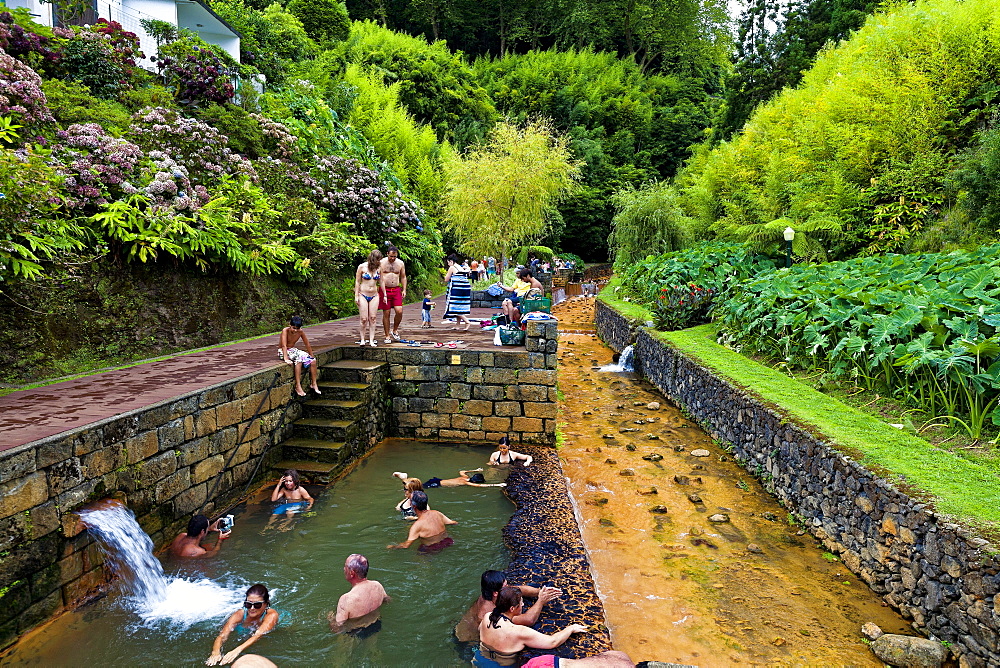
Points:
(195, 15)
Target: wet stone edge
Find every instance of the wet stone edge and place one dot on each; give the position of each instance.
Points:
(546, 548)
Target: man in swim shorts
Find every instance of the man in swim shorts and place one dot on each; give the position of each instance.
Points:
(365, 597)
(188, 543)
(490, 585)
(291, 355)
(393, 286)
(429, 527)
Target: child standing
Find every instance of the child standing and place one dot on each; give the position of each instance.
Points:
(425, 312)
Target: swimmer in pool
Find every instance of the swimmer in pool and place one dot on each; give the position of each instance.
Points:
(504, 456)
(188, 543)
(256, 617)
(476, 479)
(429, 528)
(296, 499)
(410, 485)
(501, 640)
(490, 585)
(358, 608)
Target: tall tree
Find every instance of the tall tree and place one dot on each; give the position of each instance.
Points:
(776, 43)
(498, 194)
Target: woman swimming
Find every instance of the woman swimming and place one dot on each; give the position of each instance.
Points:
(255, 617)
(505, 456)
(410, 485)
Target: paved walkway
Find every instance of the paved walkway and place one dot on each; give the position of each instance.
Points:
(29, 415)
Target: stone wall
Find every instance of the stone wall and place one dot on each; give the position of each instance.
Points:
(462, 395)
(164, 461)
(616, 330)
(942, 576)
(598, 272)
(483, 299)
(555, 555)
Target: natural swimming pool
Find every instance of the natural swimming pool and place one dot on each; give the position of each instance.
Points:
(303, 567)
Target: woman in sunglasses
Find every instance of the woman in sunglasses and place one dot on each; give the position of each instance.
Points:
(255, 618)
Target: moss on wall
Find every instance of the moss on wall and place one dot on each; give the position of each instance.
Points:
(103, 315)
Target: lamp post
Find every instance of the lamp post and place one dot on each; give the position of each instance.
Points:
(789, 235)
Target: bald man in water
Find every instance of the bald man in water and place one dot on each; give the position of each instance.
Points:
(365, 597)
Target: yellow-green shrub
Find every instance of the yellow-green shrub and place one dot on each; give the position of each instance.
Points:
(858, 153)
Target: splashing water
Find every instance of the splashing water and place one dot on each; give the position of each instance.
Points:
(148, 592)
(624, 363)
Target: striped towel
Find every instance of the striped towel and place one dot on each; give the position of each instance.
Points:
(459, 296)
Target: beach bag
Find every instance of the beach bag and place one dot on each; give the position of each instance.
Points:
(494, 290)
(500, 319)
(511, 335)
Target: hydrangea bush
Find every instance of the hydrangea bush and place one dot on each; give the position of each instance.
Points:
(353, 193)
(168, 186)
(195, 72)
(98, 167)
(282, 142)
(21, 93)
(27, 45)
(197, 146)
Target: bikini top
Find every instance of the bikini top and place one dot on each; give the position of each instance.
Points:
(369, 277)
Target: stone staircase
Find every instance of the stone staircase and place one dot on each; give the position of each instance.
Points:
(330, 428)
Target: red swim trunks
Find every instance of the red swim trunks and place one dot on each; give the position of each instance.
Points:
(438, 546)
(391, 297)
(543, 661)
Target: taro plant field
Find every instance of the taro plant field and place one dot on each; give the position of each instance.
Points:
(922, 328)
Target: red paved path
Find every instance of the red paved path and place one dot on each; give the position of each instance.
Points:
(29, 415)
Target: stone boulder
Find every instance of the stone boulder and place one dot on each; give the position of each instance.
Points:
(909, 651)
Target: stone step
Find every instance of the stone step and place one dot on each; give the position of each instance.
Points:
(321, 472)
(311, 449)
(345, 391)
(350, 370)
(333, 409)
(324, 429)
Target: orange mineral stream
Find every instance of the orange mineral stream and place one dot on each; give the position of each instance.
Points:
(676, 587)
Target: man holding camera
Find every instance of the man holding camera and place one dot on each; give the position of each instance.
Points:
(188, 543)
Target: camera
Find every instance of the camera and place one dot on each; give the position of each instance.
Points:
(226, 523)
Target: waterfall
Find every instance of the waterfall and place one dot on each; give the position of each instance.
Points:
(129, 551)
(624, 362)
(148, 591)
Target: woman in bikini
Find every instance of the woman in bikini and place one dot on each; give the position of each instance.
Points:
(410, 485)
(366, 295)
(501, 640)
(256, 618)
(504, 456)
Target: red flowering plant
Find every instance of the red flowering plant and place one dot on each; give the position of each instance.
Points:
(681, 306)
(30, 43)
(124, 44)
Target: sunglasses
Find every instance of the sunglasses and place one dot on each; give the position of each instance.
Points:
(253, 604)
